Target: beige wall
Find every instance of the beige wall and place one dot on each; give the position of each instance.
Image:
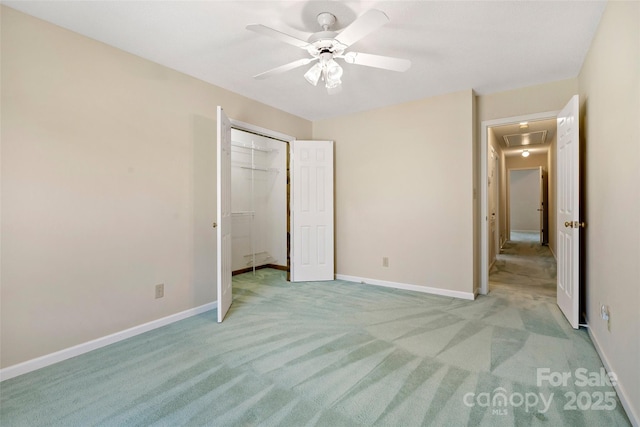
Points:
(398, 195)
(533, 161)
(529, 100)
(610, 96)
(108, 187)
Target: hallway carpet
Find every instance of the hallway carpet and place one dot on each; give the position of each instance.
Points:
(332, 354)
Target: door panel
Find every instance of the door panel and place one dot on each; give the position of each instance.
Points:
(568, 215)
(312, 211)
(223, 171)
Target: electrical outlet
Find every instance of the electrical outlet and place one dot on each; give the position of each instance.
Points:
(385, 262)
(606, 315)
(604, 312)
(160, 290)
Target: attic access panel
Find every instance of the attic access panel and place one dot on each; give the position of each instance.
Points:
(525, 139)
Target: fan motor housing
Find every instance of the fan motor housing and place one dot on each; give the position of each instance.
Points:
(322, 35)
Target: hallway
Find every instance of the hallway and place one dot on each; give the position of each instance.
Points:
(524, 265)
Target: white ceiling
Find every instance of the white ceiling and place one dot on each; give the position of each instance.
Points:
(482, 45)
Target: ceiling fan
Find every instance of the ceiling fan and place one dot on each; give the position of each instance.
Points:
(326, 46)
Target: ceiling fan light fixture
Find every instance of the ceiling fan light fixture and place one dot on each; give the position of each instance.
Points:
(313, 75)
(333, 74)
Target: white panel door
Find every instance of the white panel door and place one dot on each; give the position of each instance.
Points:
(568, 215)
(224, 214)
(493, 183)
(311, 211)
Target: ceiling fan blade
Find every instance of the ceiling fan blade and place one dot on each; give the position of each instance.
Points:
(266, 31)
(377, 61)
(286, 67)
(363, 26)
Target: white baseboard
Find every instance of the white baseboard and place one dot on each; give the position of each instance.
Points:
(67, 353)
(408, 287)
(626, 403)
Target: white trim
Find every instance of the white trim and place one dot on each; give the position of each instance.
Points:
(626, 403)
(67, 353)
(408, 287)
(237, 124)
(484, 209)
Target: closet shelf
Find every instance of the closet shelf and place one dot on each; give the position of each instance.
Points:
(260, 169)
(259, 258)
(252, 147)
(243, 213)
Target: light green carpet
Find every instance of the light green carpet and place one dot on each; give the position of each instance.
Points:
(329, 354)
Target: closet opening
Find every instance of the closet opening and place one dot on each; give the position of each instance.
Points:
(259, 202)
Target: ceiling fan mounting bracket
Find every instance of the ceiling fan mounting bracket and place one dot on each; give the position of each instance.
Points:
(326, 20)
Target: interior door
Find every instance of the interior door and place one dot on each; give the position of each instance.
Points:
(493, 206)
(312, 211)
(568, 215)
(224, 214)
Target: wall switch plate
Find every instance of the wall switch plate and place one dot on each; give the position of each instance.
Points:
(385, 262)
(160, 290)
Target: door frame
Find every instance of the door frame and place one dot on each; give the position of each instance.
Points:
(248, 127)
(484, 191)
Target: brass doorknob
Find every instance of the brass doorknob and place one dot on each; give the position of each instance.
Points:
(574, 224)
